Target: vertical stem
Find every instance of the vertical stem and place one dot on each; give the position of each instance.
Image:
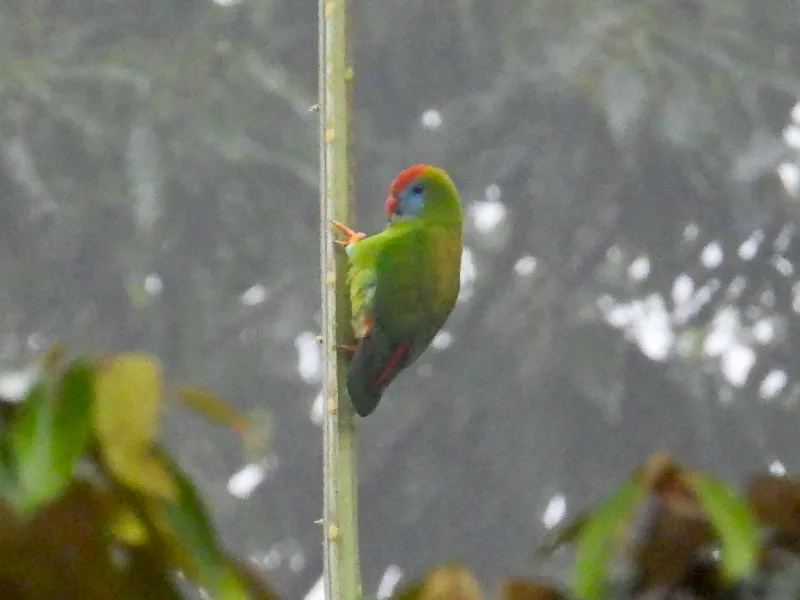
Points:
(341, 568)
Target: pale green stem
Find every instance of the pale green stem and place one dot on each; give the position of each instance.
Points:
(341, 567)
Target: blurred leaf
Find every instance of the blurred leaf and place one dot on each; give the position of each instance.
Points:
(652, 473)
(667, 554)
(254, 428)
(8, 474)
(211, 407)
(775, 500)
(668, 549)
(257, 589)
(126, 526)
(565, 534)
(600, 537)
(258, 437)
(51, 434)
(52, 357)
(74, 412)
(61, 552)
(446, 582)
(733, 523)
(521, 589)
(31, 437)
(151, 574)
(190, 529)
(126, 419)
(409, 591)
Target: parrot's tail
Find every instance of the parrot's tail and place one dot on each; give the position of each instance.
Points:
(372, 368)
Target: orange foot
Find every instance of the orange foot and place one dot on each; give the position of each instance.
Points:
(349, 348)
(352, 236)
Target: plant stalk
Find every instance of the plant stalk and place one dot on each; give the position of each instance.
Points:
(340, 490)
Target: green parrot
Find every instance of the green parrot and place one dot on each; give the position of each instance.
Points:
(403, 281)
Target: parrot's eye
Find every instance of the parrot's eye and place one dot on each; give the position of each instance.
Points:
(418, 188)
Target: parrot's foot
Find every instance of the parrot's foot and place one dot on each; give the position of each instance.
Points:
(352, 236)
(349, 348)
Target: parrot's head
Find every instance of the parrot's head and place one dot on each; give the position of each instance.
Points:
(424, 192)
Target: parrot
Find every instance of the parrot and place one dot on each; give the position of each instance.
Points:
(403, 282)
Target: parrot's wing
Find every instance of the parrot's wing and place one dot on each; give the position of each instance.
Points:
(362, 281)
(384, 279)
(387, 281)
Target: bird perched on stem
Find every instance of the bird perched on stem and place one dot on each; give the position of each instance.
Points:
(403, 281)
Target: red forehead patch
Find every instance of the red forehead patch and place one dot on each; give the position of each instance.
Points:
(405, 177)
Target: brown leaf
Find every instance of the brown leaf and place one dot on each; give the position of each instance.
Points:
(704, 580)
(525, 589)
(671, 489)
(775, 501)
(451, 582)
(65, 547)
(446, 582)
(669, 546)
(654, 474)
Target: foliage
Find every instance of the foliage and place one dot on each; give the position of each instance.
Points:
(92, 505)
(696, 538)
(85, 480)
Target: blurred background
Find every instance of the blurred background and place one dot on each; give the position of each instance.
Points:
(629, 174)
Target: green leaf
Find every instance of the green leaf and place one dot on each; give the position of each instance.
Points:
(32, 441)
(256, 588)
(126, 418)
(188, 519)
(567, 533)
(8, 474)
(193, 533)
(600, 537)
(51, 434)
(73, 414)
(733, 522)
(184, 526)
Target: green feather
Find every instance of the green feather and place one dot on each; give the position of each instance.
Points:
(403, 283)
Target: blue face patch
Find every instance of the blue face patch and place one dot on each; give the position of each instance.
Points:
(411, 199)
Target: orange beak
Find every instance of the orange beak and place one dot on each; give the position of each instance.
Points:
(391, 205)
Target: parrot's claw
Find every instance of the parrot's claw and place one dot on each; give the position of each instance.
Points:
(352, 236)
(349, 348)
